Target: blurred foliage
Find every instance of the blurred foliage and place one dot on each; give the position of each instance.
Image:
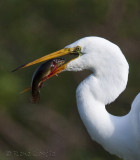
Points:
(30, 29)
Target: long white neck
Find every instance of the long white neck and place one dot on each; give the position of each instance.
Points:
(97, 90)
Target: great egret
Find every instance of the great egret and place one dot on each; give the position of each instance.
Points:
(118, 135)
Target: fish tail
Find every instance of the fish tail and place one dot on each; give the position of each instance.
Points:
(35, 97)
(25, 90)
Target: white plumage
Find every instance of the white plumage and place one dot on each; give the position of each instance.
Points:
(118, 135)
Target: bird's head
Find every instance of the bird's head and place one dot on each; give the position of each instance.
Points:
(93, 53)
(75, 50)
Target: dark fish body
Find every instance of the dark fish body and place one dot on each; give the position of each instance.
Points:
(41, 74)
(41, 71)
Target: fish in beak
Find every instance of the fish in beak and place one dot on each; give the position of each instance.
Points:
(53, 66)
(66, 51)
(43, 73)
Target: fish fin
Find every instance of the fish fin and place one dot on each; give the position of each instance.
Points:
(25, 90)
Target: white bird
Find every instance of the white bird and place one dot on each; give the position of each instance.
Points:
(118, 135)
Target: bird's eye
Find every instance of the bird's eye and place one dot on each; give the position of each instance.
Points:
(78, 49)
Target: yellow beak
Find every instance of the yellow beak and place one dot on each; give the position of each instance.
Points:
(56, 54)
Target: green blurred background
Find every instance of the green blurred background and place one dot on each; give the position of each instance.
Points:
(52, 129)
